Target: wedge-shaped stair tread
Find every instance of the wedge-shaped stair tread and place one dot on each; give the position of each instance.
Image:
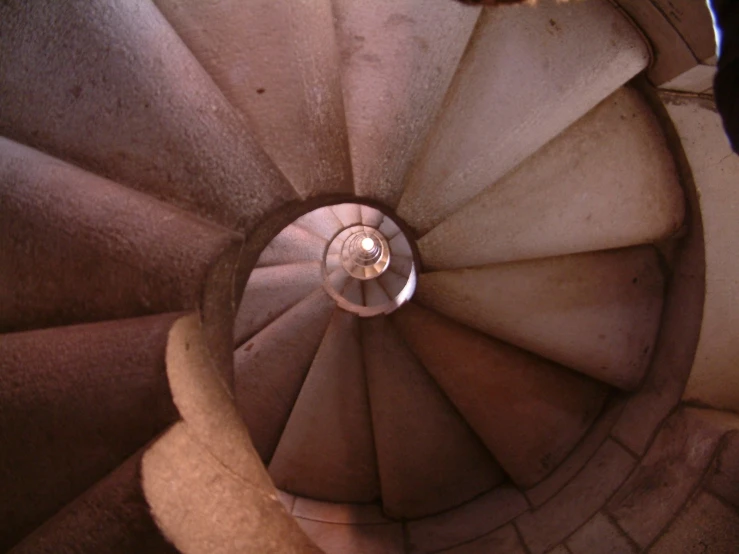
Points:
(277, 61)
(598, 313)
(292, 245)
(75, 402)
(111, 517)
(374, 293)
(353, 292)
(388, 228)
(371, 217)
(348, 214)
(271, 366)
(79, 248)
(270, 292)
(528, 74)
(327, 451)
(111, 87)
(586, 196)
(392, 283)
(429, 460)
(529, 412)
(321, 222)
(398, 58)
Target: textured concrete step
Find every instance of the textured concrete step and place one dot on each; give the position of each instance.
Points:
(201, 506)
(525, 78)
(327, 451)
(353, 292)
(75, 402)
(111, 87)
(348, 214)
(388, 228)
(398, 59)
(270, 368)
(78, 248)
(392, 283)
(374, 293)
(112, 517)
(429, 460)
(598, 313)
(586, 196)
(371, 217)
(276, 61)
(529, 412)
(292, 245)
(322, 222)
(270, 292)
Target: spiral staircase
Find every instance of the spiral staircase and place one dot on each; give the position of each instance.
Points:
(361, 277)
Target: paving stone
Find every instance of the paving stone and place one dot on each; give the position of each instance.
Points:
(504, 540)
(600, 536)
(549, 524)
(470, 521)
(706, 526)
(666, 476)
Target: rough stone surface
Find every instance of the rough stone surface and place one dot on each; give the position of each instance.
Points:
(597, 313)
(429, 460)
(505, 540)
(345, 539)
(529, 412)
(397, 60)
(666, 477)
(600, 536)
(706, 526)
(374, 293)
(322, 222)
(349, 214)
(578, 501)
(724, 478)
(586, 197)
(111, 517)
(77, 248)
(283, 74)
(294, 244)
(580, 456)
(671, 56)
(693, 21)
(112, 88)
(371, 217)
(201, 506)
(270, 292)
(714, 380)
(327, 450)
(75, 402)
(535, 64)
(470, 521)
(270, 368)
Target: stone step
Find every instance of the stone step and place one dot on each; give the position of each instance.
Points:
(112, 517)
(374, 293)
(528, 412)
(326, 451)
(349, 214)
(388, 228)
(79, 248)
(392, 283)
(429, 460)
(270, 292)
(270, 368)
(292, 245)
(524, 79)
(283, 74)
(585, 197)
(371, 217)
(112, 88)
(597, 313)
(322, 222)
(397, 60)
(75, 402)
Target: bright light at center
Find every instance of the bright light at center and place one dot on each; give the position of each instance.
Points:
(367, 244)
